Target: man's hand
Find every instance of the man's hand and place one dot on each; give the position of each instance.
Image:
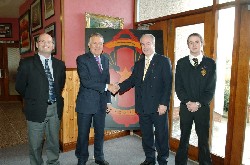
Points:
(162, 109)
(192, 106)
(113, 88)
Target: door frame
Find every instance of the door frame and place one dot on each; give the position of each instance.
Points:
(209, 48)
(4, 95)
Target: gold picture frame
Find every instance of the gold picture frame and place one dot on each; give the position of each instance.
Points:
(35, 14)
(49, 10)
(24, 33)
(103, 21)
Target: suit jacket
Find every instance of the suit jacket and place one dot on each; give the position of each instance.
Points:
(92, 97)
(156, 88)
(195, 84)
(33, 85)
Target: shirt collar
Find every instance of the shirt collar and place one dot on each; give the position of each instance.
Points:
(150, 57)
(42, 58)
(199, 57)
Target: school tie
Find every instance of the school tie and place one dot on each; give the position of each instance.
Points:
(99, 63)
(195, 62)
(147, 63)
(52, 95)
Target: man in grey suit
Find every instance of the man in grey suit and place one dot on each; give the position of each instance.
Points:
(152, 79)
(40, 81)
(93, 99)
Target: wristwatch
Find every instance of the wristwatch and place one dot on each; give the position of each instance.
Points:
(198, 104)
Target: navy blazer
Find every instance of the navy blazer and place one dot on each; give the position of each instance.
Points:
(92, 97)
(33, 85)
(156, 88)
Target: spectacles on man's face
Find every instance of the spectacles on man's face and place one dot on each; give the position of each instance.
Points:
(45, 42)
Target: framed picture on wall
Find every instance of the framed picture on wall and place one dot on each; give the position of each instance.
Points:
(36, 16)
(5, 30)
(35, 38)
(49, 10)
(51, 30)
(24, 32)
(103, 21)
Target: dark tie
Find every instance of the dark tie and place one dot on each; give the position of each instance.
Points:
(195, 61)
(99, 63)
(52, 96)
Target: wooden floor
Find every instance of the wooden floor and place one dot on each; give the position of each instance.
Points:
(13, 128)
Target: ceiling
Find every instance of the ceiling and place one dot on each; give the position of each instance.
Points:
(10, 8)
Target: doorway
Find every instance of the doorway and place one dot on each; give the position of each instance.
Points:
(9, 61)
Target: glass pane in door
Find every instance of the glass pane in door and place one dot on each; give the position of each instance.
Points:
(222, 92)
(246, 151)
(181, 50)
(13, 62)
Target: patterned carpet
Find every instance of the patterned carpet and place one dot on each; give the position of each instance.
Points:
(13, 128)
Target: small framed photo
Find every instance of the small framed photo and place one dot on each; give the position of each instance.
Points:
(5, 30)
(51, 30)
(103, 21)
(24, 32)
(35, 38)
(49, 10)
(36, 16)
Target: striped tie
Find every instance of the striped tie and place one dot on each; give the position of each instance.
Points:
(98, 62)
(52, 95)
(147, 63)
(195, 62)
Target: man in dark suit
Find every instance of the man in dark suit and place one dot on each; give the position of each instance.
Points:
(152, 79)
(195, 80)
(93, 100)
(40, 81)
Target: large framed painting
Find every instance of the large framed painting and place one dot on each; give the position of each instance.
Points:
(24, 32)
(51, 30)
(36, 16)
(123, 48)
(49, 10)
(5, 30)
(103, 21)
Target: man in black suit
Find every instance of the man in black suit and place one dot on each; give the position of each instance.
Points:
(93, 99)
(195, 80)
(40, 81)
(152, 79)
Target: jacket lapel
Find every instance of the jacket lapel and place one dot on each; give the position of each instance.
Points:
(150, 70)
(54, 66)
(39, 65)
(93, 62)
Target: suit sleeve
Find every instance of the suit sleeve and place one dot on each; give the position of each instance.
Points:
(85, 78)
(63, 77)
(21, 78)
(208, 93)
(167, 82)
(108, 94)
(128, 83)
(179, 84)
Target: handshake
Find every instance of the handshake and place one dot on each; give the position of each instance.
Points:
(113, 88)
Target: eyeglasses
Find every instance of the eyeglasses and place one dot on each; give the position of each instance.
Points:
(46, 42)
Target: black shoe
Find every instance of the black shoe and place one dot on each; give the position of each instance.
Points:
(146, 162)
(101, 162)
(81, 162)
